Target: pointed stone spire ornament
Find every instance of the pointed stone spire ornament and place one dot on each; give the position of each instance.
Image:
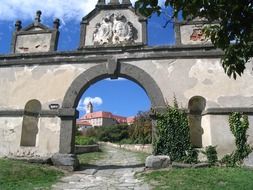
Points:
(101, 2)
(37, 17)
(114, 2)
(56, 23)
(126, 2)
(18, 25)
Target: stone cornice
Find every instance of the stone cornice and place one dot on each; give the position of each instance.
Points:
(99, 54)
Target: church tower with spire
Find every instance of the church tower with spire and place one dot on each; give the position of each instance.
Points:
(89, 108)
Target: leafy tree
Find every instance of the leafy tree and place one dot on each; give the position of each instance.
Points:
(141, 130)
(234, 34)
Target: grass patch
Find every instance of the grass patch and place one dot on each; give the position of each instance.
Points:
(83, 140)
(201, 179)
(26, 176)
(91, 158)
(142, 156)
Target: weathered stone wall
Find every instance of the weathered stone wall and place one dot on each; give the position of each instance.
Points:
(47, 141)
(185, 78)
(46, 83)
(33, 43)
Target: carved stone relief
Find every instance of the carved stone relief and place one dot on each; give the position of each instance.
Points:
(197, 34)
(114, 29)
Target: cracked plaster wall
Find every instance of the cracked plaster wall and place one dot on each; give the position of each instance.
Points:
(47, 137)
(183, 78)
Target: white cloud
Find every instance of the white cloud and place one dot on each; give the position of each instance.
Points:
(66, 10)
(96, 101)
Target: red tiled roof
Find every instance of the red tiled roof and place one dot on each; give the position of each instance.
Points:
(83, 122)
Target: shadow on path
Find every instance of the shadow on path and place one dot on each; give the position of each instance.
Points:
(107, 167)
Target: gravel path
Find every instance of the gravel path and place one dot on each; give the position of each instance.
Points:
(114, 172)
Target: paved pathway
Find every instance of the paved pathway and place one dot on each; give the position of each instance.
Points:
(114, 172)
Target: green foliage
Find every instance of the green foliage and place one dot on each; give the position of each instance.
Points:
(114, 133)
(238, 125)
(173, 136)
(84, 140)
(91, 132)
(229, 160)
(126, 141)
(233, 34)
(141, 130)
(191, 156)
(211, 154)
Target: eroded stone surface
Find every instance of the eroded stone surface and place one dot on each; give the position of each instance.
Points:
(114, 172)
(156, 162)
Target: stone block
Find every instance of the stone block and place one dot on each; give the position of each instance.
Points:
(156, 162)
(248, 162)
(65, 161)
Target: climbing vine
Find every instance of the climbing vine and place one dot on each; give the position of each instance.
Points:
(239, 124)
(173, 137)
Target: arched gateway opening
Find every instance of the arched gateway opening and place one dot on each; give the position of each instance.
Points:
(99, 72)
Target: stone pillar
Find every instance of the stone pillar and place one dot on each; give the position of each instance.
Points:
(66, 159)
(67, 132)
(114, 2)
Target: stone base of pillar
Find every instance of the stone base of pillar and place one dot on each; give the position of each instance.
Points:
(67, 162)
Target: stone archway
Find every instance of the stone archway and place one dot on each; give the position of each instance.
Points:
(91, 76)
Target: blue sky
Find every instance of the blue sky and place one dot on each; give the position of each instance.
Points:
(122, 97)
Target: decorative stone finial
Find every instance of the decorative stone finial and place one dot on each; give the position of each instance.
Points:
(37, 18)
(18, 25)
(101, 2)
(126, 2)
(56, 23)
(113, 2)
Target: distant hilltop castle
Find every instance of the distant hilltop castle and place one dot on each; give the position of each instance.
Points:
(101, 118)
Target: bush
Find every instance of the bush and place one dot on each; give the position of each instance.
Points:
(126, 141)
(191, 156)
(113, 133)
(173, 137)
(89, 132)
(228, 160)
(82, 140)
(141, 130)
(211, 154)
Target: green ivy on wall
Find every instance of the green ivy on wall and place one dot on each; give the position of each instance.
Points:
(173, 137)
(239, 125)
